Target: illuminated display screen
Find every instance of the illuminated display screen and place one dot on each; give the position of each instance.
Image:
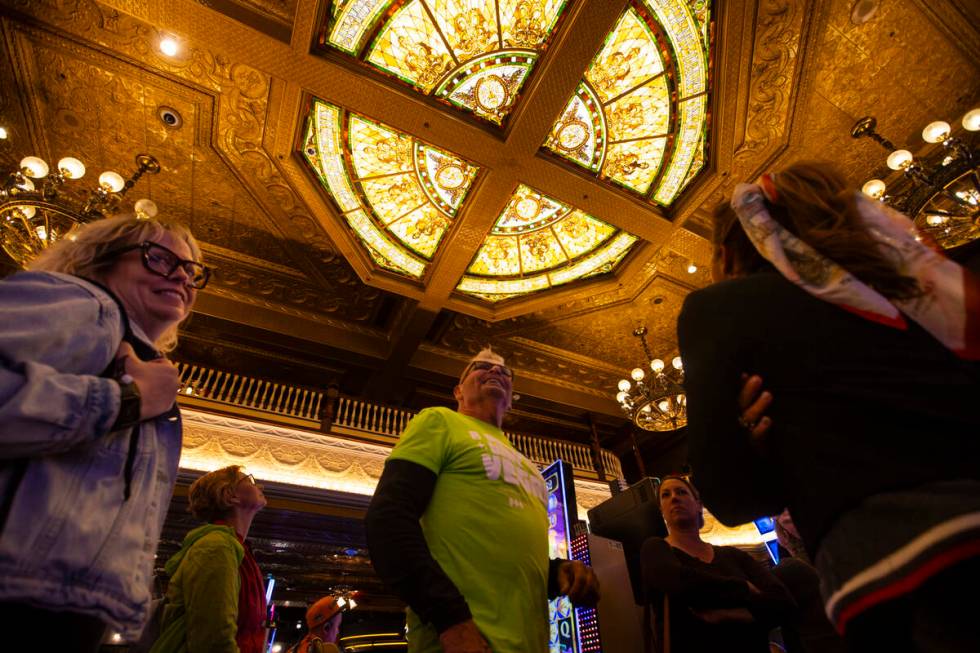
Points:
(561, 499)
(767, 528)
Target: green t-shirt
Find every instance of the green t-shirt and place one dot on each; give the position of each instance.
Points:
(486, 526)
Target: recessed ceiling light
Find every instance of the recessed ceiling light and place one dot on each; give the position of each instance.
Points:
(691, 269)
(169, 46)
(863, 10)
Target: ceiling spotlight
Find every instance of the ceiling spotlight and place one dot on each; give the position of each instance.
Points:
(691, 269)
(169, 46)
(3, 133)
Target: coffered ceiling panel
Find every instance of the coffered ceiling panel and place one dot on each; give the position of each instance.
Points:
(639, 117)
(398, 194)
(472, 54)
(538, 243)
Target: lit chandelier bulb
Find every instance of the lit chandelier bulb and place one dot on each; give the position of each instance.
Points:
(145, 209)
(26, 185)
(935, 220)
(935, 132)
(664, 406)
(677, 363)
(657, 366)
(111, 181)
(71, 168)
(899, 160)
(621, 397)
(971, 120)
(624, 385)
(637, 374)
(34, 167)
(26, 212)
(874, 188)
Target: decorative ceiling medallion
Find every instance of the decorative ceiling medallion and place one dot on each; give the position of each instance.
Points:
(398, 194)
(638, 118)
(539, 242)
(474, 54)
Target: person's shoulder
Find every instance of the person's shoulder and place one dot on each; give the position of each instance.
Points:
(654, 545)
(760, 285)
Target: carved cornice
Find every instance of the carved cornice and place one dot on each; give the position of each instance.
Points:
(284, 455)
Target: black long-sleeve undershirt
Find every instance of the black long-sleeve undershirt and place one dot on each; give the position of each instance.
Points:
(399, 551)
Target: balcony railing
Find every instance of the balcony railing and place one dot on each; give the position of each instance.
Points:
(298, 406)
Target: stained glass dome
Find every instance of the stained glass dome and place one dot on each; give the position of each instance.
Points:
(397, 193)
(537, 243)
(638, 118)
(474, 54)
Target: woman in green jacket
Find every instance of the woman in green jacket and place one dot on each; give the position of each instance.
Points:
(216, 597)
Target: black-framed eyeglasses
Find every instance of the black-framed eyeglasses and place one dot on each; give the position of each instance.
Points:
(486, 366)
(164, 262)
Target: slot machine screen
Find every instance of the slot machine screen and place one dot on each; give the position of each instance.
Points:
(563, 636)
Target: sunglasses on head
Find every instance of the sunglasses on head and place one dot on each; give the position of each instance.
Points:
(486, 366)
(164, 262)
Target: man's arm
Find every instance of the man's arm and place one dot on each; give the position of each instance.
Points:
(399, 552)
(664, 573)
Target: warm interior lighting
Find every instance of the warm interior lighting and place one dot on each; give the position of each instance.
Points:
(934, 220)
(169, 46)
(935, 132)
(874, 188)
(637, 374)
(111, 181)
(34, 167)
(3, 133)
(691, 269)
(145, 209)
(657, 365)
(677, 363)
(624, 385)
(26, 212)
(899, 160)
(71, 168)
(971, 120)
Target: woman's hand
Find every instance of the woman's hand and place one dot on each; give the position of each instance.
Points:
(464, 637)
(753, 402)
(158, 381)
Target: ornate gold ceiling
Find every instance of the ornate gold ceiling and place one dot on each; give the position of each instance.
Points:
(783, 81)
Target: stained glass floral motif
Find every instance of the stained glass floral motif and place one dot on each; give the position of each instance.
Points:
(473, 54)
(398, 194)
(539, 242)
(638, 117)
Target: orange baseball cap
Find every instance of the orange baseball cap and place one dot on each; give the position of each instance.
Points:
(322, 611)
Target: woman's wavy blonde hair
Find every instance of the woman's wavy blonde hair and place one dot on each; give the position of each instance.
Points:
(79, 255)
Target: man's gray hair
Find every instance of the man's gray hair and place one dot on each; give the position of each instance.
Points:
(486, 354)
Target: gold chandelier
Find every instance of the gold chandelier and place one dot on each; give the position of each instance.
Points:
(657, 402)
(941, 194)
(37, 207)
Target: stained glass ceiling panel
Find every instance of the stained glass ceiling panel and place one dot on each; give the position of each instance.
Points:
(473, 54)
(537, 243)
(398, 194)
(638, 118)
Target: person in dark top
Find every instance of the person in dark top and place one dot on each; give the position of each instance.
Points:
(807, 630)
(458, 527)
(718, 598)
(867, 340)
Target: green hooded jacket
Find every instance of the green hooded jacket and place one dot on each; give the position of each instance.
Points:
(201, 615)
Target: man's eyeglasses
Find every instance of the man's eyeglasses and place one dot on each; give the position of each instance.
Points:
(249, 478)
(486, 366)
(164, 262)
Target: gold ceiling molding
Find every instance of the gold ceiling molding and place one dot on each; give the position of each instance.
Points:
(307, 459)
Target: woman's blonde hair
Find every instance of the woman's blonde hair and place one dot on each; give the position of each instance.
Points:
(207, 497)
(80, 253)
(816, 204)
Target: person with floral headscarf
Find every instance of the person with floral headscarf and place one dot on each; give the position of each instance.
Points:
(867, 341)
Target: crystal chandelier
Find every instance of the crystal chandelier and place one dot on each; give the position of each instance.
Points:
(38, 207)
(657, 402)
(942, 196)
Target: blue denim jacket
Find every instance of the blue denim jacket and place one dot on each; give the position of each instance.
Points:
(70, 541)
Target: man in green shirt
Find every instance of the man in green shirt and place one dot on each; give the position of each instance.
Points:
(458, 527)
